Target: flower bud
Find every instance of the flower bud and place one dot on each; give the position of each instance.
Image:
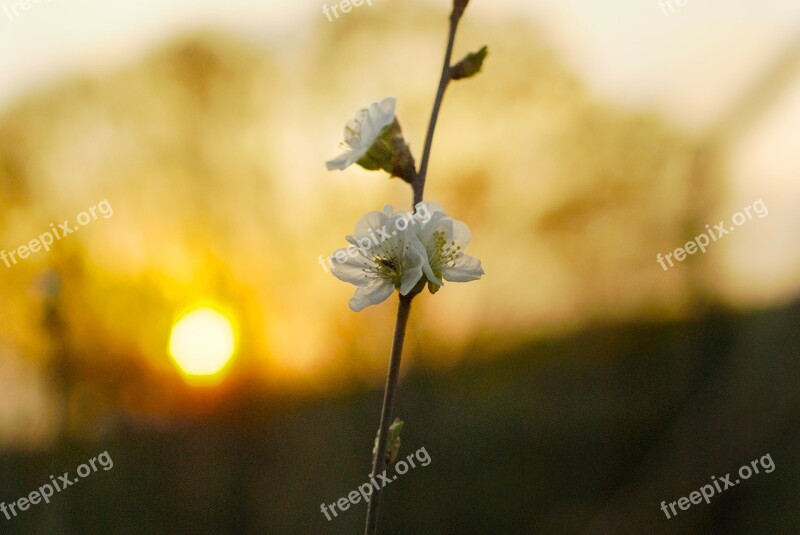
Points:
(374, 140)
(392, 442)
(470, 65)
(391, 153)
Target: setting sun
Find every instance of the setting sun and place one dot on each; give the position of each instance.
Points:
(202, 343)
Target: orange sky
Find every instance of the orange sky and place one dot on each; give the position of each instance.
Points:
(691, 65)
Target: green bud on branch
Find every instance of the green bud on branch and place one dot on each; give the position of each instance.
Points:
(392, 442)
(470, 65)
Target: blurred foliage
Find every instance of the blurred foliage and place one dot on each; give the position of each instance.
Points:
(211, 152)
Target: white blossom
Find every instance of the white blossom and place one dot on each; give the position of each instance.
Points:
(362, 132)
(445, 239)
(384, 256)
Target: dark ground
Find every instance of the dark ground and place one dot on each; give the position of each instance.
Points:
(582, 435)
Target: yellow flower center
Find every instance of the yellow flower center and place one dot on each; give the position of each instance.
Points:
(445, 253)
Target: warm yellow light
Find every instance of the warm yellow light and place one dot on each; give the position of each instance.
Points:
(202, 343)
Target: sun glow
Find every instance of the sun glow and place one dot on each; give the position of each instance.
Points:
(202, 344)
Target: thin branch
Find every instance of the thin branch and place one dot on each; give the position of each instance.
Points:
(419, 183)
(392, 380)
(404, 308)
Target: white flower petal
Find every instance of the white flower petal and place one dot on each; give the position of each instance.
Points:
(380, 115)
(372, 294)
(466, 269)
(461, 234)
(371, 221)
(386, 108)
(432, 206)
(437, 222)
(430, 275)
(410, 280)
(352, 269)
(353, 128)
(361, 131)
(420, 249)
(341, 162)
(413, 261)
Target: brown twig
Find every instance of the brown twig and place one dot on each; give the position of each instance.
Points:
(404, 308)
(392, 380)
(419, 183)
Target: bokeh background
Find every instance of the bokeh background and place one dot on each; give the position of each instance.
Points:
(571, 390)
